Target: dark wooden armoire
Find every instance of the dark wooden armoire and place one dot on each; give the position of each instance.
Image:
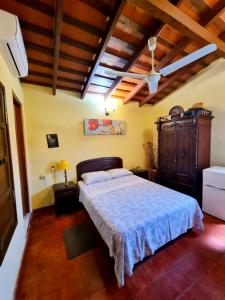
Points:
(184, 151)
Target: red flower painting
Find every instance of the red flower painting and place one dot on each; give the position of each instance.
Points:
(103, 127)
(107, 122)
(93, 124)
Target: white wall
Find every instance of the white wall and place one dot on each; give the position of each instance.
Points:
(10, 266)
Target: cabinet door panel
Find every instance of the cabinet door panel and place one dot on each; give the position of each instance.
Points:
(185, 143)
(167, 151)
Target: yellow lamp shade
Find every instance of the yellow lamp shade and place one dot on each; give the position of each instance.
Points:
(64, 165)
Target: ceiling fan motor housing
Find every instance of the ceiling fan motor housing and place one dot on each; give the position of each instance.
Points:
(153, 81)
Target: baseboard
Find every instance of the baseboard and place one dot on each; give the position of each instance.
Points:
(43, 210)
(20, 272)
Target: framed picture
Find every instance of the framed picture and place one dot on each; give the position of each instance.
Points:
(52, 140)
(103, 127)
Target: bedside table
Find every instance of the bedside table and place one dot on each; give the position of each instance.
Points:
(66, 197)
(141, 173)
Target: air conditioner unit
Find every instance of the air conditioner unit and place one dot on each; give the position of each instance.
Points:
(11, 44)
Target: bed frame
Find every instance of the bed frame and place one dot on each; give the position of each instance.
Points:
(98, 164)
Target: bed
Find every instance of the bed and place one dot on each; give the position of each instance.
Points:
(134, 216)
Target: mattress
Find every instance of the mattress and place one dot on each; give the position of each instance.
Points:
(135, 217)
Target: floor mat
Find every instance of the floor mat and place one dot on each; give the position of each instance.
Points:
(79, 239)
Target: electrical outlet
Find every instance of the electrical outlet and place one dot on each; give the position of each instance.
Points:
(42, 177)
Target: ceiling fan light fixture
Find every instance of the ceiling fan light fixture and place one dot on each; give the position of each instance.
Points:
(153, 81)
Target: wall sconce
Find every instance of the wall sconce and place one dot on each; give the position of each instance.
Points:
(110, 106)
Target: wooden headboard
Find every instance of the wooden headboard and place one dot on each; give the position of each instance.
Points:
(98, 164)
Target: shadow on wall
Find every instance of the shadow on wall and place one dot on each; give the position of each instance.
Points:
(51, 175)
(44, 198)
(148, 138)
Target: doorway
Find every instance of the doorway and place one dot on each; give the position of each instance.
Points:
(21, 154)
(8, 217)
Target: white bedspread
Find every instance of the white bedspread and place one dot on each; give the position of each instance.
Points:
(135, 217)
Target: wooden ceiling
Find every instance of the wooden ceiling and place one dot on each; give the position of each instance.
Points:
(70, 43)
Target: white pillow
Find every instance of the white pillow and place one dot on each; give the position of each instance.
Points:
(93, 177)
(114, 173)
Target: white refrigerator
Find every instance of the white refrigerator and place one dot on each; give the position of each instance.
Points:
(213, 200)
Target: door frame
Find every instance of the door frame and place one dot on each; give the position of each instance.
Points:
(22, 161)
(11, 174)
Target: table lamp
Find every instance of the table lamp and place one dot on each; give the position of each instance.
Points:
(65, 165)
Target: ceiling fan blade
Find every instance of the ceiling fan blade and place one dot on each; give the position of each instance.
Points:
(180, 63)
(125, 74)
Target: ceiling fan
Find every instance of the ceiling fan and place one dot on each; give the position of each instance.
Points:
(153, 77)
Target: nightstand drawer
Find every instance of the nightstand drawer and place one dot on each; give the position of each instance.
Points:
(65, 194)
(66, 198)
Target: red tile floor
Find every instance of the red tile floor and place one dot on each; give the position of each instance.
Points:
(192, 267)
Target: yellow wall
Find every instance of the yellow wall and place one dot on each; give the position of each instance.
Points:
(11, 263)
(207, 87)
(63, 114)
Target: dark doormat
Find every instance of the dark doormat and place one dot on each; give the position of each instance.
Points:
(79, 239)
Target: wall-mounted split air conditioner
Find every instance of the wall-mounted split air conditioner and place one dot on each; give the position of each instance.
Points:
(12, 45)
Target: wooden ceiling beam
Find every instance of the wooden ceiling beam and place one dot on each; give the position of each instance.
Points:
(130, 27)
(40, 74)
(62, 55)
(100, 85)
(61, 68)
(99, 6)
(117, 41)
(213, 13)
(80, 45)
(114, 59)
(103, 44)
(40, 63)
(50, 34)
(49, 76)
(42, 83)
(170, 14)
(222, 36)
(118, 53)
(57, 31)
(204, 21)
(49, 10)
(62, 87)
(104, 77)
(75, 81)
(72, 71)
(82, 25)
(75, 59)
(134, 91)
(104, 65)
(38, 48)
(36, 82)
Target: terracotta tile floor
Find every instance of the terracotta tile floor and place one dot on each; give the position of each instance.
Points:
(192, 267)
